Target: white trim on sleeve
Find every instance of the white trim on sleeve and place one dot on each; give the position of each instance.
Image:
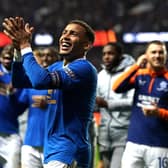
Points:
(26, 50)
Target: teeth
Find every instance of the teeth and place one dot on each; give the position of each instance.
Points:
(65, 44)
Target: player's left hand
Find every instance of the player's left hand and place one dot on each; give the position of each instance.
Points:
(151, 110)
(101, 102)
(19, 31)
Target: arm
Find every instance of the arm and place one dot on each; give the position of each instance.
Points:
(163, 113)
(39, 77)
(19, 77)
(113, 104)
(29, 74)
(124, 102)
(127, 79)
(154, 110)
(21, 34)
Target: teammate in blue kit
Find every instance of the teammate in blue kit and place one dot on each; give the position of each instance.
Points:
(37, 104)
(147, 144)
(73, 81)
(10, 109)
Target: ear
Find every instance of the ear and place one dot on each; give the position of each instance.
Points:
(88, 46)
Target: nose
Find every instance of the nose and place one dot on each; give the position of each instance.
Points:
(158, 54)
(44, 57)
(106, 56)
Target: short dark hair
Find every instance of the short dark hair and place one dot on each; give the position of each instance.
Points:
(155, 42)
(7, 49)
(89, 31)
(118, 47)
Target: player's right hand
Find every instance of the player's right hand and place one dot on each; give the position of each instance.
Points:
(142, 61)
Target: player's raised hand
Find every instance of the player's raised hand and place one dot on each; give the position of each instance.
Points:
(19, 31)
(142, 61)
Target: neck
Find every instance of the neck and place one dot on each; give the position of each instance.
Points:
(68, 59)
(4, 69)
(157, 69)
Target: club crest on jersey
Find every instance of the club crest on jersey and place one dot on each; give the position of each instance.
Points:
(163, 86)
(141, 82)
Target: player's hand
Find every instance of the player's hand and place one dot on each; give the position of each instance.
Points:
(19, 31)
(101, 102)
(100, 164)
(6, 89)
(3, 89)
(142, 61)
(150, 110)
(1, 73)
(2, 86)
(10, 89)
(39, 101)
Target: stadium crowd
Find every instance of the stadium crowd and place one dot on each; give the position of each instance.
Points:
(121, 15)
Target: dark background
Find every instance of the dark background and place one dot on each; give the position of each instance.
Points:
(121, 16)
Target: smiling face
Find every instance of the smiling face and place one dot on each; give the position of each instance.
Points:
(48, 56)
(6, 57)
(156, 55)
(73, 42)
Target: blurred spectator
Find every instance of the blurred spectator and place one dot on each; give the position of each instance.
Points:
(128, 15)
(10, 109)
(37, 104)
(114, 108)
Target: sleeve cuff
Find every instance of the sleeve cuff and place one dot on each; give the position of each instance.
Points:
(26, 50)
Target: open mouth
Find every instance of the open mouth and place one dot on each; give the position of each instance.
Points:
(65, 45)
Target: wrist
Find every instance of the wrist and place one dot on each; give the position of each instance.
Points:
(25, 45)
(26, 50)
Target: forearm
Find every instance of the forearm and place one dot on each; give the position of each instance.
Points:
(19, 78)
(38, 76)
(121, 103)
(163, 113)
(123, 82)
(25, 44)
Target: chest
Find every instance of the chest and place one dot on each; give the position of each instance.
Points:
(5, 78)
(105, 83)
(152, 89)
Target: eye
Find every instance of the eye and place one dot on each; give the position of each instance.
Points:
(153, 52)
(64, 32)
(161, 52)
(73, 33)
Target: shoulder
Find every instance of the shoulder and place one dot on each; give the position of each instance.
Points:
(82, 66)
(103, 74)
(143, 71)
(166, 75)
(56, 65)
